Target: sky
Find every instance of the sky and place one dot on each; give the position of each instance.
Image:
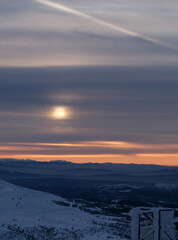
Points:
(89, 81)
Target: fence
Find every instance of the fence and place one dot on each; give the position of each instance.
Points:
(153, 224)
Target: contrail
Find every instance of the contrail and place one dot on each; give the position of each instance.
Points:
(104, 23)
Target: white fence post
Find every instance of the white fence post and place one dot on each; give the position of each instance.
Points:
(152, 224)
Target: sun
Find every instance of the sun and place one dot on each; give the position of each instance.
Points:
(60, 112)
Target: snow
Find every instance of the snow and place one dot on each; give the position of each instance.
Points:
(165, 187)
(25, 211)
(122, 186)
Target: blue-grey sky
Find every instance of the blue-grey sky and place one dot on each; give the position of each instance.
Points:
(89, 81)
(33, 34)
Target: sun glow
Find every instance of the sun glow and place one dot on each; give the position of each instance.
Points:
(61, 113)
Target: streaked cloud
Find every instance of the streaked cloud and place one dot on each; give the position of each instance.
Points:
(89, 80)
(104, 23)
(33, 34)
(134, 105)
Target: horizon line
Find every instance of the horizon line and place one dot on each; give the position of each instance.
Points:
(80, 163)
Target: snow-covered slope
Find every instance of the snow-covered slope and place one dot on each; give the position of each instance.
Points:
(165, 187)
(29, 214)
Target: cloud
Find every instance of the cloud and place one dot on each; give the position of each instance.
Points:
(129, 94)
(35, 35)
(111, 103)
(105, 24)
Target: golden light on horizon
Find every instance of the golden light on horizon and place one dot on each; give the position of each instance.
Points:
(60, 112)
(156, 159)
(102, 151)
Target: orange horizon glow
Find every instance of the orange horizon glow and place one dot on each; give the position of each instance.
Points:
(144, 153)
(136, 159)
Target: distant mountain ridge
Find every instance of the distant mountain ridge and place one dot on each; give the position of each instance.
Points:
(89, 180)
(10, 160)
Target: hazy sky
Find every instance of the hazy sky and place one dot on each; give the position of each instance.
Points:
(89, 80)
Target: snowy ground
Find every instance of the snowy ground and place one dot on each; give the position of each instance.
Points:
(33, 215)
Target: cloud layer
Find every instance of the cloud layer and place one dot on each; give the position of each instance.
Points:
(123, 104)
(73, 79)
(33, 34)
